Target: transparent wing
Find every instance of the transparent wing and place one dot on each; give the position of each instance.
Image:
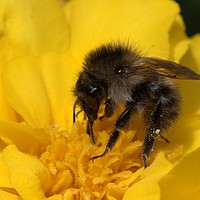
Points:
(165, 68)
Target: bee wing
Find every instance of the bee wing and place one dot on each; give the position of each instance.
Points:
(153, 66)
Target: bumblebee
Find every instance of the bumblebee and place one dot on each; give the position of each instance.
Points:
(118, 74)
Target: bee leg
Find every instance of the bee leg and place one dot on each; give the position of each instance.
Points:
(108, 108)
(147, 147)
(84, 116)
(164, 138)
(121, 122)
(74, 112)
(90, 130)
(77, 114)
(154, 126)
(108, 112)
(111, 142)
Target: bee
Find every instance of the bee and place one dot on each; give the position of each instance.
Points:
(118, 74)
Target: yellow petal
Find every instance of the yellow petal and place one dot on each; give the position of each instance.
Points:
(145, 23)
(192, 58)
(195, 46)
(57, 197)
(179, 42)
(38, 88)
(28, 175)
(147, 187)
(182, 182)
(59, 74)
(27, 139)
(29, 27)
(26, 91)
(143, 190)
(158, 168)
(4, 174)
(7, 112)
(32, 26)
(8, 196)
(187, 128)
(68, 195)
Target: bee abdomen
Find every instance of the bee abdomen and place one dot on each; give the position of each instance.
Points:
(166, 105)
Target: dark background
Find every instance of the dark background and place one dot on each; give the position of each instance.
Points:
(190, 10)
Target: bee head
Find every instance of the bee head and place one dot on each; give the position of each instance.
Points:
(89, 93)
(113, 64)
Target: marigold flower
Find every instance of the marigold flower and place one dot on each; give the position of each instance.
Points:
(42, 154)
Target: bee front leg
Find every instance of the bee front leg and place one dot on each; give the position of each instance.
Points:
(121, 122)
(90, 130)
(74, 111)
(108, 112)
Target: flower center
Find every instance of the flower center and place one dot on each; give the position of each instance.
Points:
(68, 160)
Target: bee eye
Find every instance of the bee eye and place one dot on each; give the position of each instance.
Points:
(122, 70)
(92, 90)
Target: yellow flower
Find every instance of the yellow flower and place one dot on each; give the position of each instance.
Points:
(45, 156)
